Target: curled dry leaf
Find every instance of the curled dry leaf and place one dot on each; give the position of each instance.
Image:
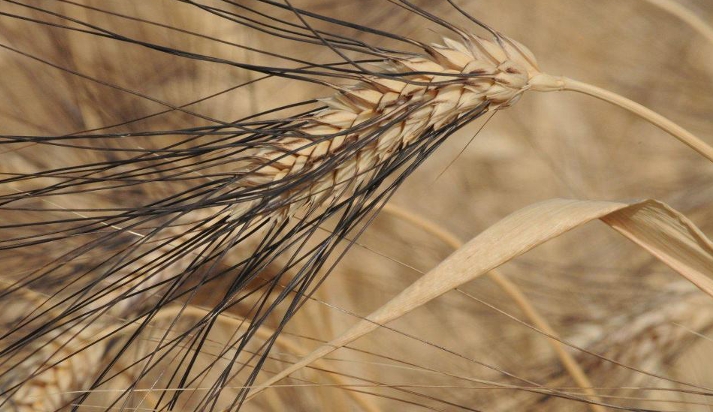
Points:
(665, 233)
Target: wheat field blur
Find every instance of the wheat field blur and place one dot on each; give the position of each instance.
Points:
(641, 334)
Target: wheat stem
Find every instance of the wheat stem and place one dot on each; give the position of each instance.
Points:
(517, 296)
(544, 82)
(686, 15)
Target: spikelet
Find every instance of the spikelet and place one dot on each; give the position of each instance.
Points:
(383, 114)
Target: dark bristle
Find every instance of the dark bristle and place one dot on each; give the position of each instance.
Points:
(104, 255)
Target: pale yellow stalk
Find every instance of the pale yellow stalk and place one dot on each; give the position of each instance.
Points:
(687, 16)
(546, 82)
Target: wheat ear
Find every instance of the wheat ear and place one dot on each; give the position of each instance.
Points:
(385, 113)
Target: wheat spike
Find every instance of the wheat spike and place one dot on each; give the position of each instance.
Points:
(383, 114)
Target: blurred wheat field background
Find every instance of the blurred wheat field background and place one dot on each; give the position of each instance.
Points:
(640, 333)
